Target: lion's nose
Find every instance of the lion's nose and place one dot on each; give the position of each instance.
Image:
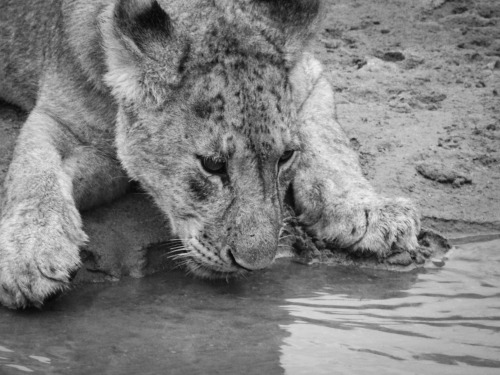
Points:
(249, 260)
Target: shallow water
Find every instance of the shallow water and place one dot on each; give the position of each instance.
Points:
(291, 319)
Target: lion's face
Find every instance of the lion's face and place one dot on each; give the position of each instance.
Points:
(206, 120)
(218, 159)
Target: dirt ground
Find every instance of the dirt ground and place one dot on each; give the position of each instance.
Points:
(417, 84)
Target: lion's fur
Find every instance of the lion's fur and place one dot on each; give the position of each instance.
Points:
(122, 89)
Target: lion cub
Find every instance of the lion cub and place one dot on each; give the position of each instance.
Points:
(211, 105)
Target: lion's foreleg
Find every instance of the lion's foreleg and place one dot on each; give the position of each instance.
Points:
(40, 226)
(333, 199)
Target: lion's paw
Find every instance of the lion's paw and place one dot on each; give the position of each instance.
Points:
(36, 262)
(379, 226)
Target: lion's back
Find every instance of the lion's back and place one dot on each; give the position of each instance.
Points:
(25, 29)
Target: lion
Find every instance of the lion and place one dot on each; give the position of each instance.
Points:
(214, 106)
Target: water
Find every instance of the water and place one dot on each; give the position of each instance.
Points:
(291, 319)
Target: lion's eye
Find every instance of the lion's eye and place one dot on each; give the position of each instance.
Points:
(213, 166)
(287, 155)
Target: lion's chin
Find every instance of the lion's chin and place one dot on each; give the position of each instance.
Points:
(205, 271)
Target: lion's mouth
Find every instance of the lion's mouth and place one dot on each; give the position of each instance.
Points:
(208, 271)
(205, 263)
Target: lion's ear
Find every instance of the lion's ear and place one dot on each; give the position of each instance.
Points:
(293, 22)
(144, 52)
(292, 13)
(144, 22)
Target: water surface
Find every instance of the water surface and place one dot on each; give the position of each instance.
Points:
(291, 319)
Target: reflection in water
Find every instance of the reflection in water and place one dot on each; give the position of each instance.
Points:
(11, 361)
(447, 322)
(19, 367)
(40, 359)
(288, 320)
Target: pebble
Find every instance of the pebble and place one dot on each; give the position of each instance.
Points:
(437, 262)
(419, 259)
(392, 56)
(494, 65)
(332, 44)
(403, 259)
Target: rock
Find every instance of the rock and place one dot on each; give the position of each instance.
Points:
(402, 259)
(439, 172)
(392, 56)
(494, 65)
(438, 262)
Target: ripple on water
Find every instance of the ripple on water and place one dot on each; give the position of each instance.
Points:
(12, 362)
(287, 320)
(448, 322)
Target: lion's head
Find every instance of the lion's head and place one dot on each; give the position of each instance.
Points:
(207, 119)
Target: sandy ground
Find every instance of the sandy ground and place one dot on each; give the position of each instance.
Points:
(417, 85)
